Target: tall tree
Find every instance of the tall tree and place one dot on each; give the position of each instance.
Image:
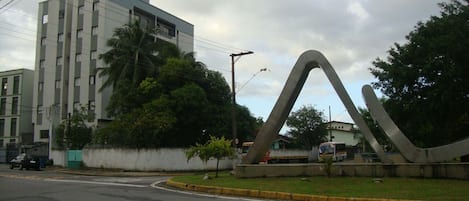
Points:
(73, 133)
(426, 78)
(132, 55)
(307, 126)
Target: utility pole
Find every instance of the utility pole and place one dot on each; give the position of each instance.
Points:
(233, 89)
(330, 125)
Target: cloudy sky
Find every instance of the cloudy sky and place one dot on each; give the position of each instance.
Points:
(350, 33)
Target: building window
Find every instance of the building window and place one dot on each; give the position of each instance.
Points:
(91, 105)
(61, 14)
(43, 134)
(40, 86)
(95, 6)
(76, 82)
(41, 64)
(14, 105)
(16, 84)
(12, 140)
(93, 55)
(94, 30)
(92, 79)
(60, 61)
(76, 106)
(80, 10)
(78, 58)
(80, 33)
(2, 127)
(3, 105)
(43, 41)
(45, 19)
(13, 127)
(60, 37)
(39, 115)
(4, 86)
(57, 84)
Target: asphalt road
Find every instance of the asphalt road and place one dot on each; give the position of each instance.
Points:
(16, 185)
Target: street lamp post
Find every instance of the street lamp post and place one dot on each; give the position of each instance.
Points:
(233, 89)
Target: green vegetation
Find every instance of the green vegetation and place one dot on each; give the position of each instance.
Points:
(391, 188)
(426, 81)
(73, 133)
(217, 148)
(163, 97)
(307, 127)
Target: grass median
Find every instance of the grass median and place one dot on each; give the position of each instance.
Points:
(390, 188)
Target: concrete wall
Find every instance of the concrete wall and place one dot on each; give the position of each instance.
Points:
(141, 160)
(59, 157)
(441, 170)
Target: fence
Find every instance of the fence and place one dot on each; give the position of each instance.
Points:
(141, 159)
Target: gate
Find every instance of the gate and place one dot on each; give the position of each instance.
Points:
(74, 159)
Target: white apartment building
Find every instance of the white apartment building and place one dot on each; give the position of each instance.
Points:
(71, 34)
(16, 106)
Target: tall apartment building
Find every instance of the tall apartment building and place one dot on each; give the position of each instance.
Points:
(71, 34)
(16, 106)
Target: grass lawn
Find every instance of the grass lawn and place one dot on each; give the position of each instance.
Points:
(395, 188)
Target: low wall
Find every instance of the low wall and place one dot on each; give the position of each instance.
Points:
(440, 170)
(147, 160)
(59, 157)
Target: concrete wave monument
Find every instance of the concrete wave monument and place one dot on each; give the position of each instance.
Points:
(312, 59)
(307, 61)
(410, 152)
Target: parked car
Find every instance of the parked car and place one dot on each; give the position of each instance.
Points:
(25, 161)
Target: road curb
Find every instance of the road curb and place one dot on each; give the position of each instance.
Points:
(266, 194)
(113, 174)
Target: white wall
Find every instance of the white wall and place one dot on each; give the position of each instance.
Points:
(142, 160)
(59, 157)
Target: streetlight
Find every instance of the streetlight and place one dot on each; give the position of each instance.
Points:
(254, 75)
(233, 89)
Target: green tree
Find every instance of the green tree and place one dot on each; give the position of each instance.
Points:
(375, 129)
(163, 97)
(73, 133)
(426, 78)
(132, 55)
(307, 127)
(217, 148)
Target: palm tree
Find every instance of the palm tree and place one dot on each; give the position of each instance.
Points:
(132, 57)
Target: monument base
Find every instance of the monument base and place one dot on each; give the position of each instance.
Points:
(435, 170)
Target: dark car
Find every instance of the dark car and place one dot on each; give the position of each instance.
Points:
(25, 161)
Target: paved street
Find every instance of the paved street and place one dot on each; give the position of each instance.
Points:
(48, 185)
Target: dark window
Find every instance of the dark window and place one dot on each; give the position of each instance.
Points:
(4, 86)
(16, 84)
(2, 127)
(13, 127)
(3, 104)
(166, 28)
(14, 105)
(40, 86)
(39, 114)
(61, 14)
(44, 134)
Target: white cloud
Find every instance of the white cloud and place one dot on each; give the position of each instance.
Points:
(351, 34)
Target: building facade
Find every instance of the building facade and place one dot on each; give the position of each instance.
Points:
(71, 34)
(16, 106)
(343, 132)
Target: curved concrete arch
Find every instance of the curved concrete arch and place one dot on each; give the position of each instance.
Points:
(306, 62)
(403, 144)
